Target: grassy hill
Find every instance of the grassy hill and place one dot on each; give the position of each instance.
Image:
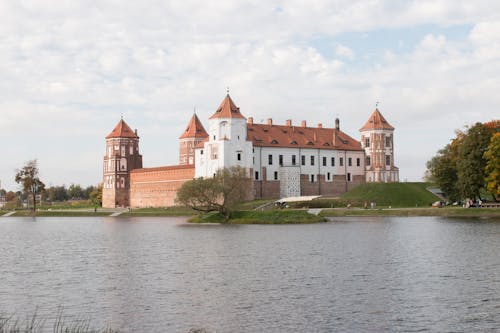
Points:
(391, 194)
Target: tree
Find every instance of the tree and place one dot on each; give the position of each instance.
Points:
(471, 164)
(492, 157)
(221, 193)
(28, 178)
(75, 191)
(96, 196)
(442, 169)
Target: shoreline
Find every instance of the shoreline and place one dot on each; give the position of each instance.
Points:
(325, 212)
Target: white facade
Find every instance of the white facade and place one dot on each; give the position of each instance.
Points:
(227, 146)
(312, 162)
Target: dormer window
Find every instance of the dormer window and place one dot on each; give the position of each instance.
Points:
(274, 142)
(309, 143)
(293, 142)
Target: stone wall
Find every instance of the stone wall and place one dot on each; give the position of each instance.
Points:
(157, 187)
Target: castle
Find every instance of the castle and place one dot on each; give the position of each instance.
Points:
(283, 160)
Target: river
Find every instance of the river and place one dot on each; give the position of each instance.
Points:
(165, 275)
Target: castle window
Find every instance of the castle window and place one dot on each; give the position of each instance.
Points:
(256, 175)
(388, 141)
(238, 156)
(123, 151)
(358, 162)
(280, 157)
(293, 160)
(387, 159)
(303, 160)
(275, 175)
(201, 152)
(274, 142)
(324, 161)
(341, 161)
(348, 177)
(327, 176)
(367, 142)
(270, 159)
(238, 137)
(293, 142)
(312, 160)
(311, 178)
(333, 161)
(131, 150)
(349, 161)
(368, 160)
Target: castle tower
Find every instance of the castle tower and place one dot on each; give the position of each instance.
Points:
(122, 156)
(227, 143)
(377, 140)
(193, 135)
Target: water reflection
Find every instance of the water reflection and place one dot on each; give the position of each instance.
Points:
(163, 275)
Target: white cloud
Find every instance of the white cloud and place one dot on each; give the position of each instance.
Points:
(70, 69)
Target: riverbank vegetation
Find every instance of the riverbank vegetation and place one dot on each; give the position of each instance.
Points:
(261, 217)
(36, 324)
(469, 164)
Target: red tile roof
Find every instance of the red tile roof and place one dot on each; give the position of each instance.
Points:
(264, 135)
(376, 121)
(227, 109)
(122, 130)
(194, 129)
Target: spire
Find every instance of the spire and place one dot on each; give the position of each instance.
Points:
(376, 121)
(194, 129)
(122, 130)
(227, 109)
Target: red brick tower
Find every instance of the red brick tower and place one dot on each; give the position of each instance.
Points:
(122, 156)
(193, 135)
(377, 139)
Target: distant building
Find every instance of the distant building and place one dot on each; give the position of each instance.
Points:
(283, 160)
(377, 139)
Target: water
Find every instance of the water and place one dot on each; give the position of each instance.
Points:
(163, 275)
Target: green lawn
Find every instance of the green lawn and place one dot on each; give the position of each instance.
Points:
(262, 217)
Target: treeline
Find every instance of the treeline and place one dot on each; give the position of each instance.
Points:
(470, 164)
(55, 194)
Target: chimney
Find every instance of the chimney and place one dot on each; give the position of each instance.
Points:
(303, 123)
(270, 121)
(337, 124)
(250, 120)
(289, 122)
(320, 125)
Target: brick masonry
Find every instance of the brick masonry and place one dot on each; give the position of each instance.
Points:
(157, 187)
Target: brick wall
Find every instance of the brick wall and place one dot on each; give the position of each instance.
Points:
(157, 187)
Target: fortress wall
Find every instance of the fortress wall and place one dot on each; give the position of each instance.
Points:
(157, 187)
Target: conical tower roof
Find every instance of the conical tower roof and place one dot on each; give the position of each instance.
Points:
(376, 122)
(122, 130)
(227, 109)
(194, 129)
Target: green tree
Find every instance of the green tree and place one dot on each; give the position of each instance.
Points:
(442, 170)
(57, 193)
(28, 178)
(492, 157)
(96, 196)
(471, 163)
(75, 191)
(221, 193)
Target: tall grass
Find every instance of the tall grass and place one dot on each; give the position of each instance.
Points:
(35, 324)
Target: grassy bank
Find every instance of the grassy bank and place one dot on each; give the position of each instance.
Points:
(448, 211)
(395, 195)
(262, 217)
(167, 211)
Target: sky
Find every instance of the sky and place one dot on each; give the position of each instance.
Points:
(70, 69)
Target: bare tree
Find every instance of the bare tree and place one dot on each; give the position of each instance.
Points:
(28, 178)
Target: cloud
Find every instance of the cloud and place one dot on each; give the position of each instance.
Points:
(70, 69)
